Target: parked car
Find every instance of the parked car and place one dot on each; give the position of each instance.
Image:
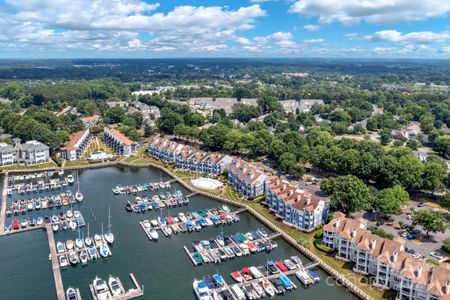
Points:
(415, 231)
(420, 204)
(411, 236)
(436, 255)
(410, 250)
(404, 226)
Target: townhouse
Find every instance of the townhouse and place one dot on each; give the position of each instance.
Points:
(296, 207)
(8, 154)
(76, 146)
(121, 144)
(90, 121)
(386, 261)
(247, 179)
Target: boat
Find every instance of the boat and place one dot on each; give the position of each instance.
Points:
(23, 223)
(201, 290)
(219, 279)
(153, 234)
(55, 227)
(84, 257)
(168, 230)
(109, 236)
(69, 244)
(79, 243)
(92, 252)
(71, 294)
(37, 204)
(287, 283)
(303, 277)
(63, 262)
(268, 288)
(15, 224)
(88, 240)
(78, 195)
(114, 286)
(60, 247)
(69, 214)
(237, 276)
(55, 219)
(39, 221)
(70, 179)
(237, 291)
(100, 288)
(73, 258)
(104, 250)
(76, 214)
(72, 225)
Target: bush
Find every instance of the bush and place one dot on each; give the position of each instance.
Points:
(381, 233)
(446, 245)
(318, 245)
(318, 234)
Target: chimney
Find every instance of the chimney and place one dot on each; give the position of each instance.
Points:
(283, 188)
(298, 198)
(394, 256)
(419, 271)
(373, 243)
(308, 201)
(337, 223)
(291, 192)
(353, 232)
(447, 288)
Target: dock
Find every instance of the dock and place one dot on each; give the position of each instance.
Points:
(28, 228)
(60, 294)
(3, 205)
(191, 195)
(130, 294)
(240, 210)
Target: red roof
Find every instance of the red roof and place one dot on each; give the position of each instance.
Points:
(122, 137)
(73, 140)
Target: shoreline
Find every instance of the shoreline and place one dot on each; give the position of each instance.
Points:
(325, 267)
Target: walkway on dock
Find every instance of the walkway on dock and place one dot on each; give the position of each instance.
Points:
(3, 205)
(240, 210)
(28, 228)
(130, 294)
(191, 194)
(55, 264)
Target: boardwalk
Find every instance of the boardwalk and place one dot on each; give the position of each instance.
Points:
(55, 265)
(3, 206)
(130, 294)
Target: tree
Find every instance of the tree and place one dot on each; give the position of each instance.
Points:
(297, 170)
(269, 104)
(445, 201)
(433, 176)
(347, 193)
(114, 115)
(385, 137)
(390, 201)
(168, 120)
(431, 221)
(245, 113)
(446, 245)
(287, 160)
(413, 144)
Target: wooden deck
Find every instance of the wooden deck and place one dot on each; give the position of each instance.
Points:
(60, 293)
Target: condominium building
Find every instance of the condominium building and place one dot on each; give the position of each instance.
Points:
(8, 154)
(118, 142)
(33, 152)
(247, 179)
(165, 150)
(386, 261)
(76, 146)
(293, 205)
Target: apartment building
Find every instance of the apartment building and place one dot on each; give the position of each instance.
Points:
(76, 146)
(296, 207)
(8, 155)
(118, 142)
(386, 261)
(247, 179)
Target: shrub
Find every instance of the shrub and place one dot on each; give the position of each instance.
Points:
(381, 233)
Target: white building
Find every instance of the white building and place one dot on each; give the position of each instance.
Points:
(121, 144)
(76, 146)
(247, 179)
(8, 154)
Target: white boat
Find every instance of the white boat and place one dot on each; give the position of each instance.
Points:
(97, 239)
(100, 288)
(78, 195)
(109, 236)
(76, 214)
(72, 224)
(71, 294)
(79, 243)
(93, 253)
(84, 257)
(70, 179)
(238, 292)
(201, 290)
(168, 230)
(60, 247)
(63, 262)
(88, 240)
(55, 227)
(104, 250)
(73, 257)
(55, 219)
(69, 244)
(153, 234)
(39, 221)
(114, 286)
(69, 214)
(268, 288)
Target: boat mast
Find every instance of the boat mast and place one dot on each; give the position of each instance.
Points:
(88, 230)
(109, 220)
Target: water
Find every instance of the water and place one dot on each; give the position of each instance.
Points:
(162, 267)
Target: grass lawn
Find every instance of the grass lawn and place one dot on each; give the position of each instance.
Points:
(75, 163)
(26, 168)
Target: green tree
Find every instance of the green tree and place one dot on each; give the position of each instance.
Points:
(347, 193)
(390, 201)
(287, 160)
(268, 104)
(245, 113)
(445, 201)
(431, 221)
(433, 176)
(114, 115)
(413, 144)
(168, 120)
(385, 137)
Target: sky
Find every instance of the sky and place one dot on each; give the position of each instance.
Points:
(215, 28)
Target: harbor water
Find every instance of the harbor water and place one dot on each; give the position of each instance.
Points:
(161, 267)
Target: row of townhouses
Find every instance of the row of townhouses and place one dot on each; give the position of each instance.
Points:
(386, 261)
(293, 205)
(121, 144)
(76, 146)
(296, 207)
(29, 153)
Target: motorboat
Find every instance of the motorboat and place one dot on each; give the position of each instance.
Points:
(23, 223)
(168, 230)
(218, 279)
(55, 227)
(69, 214)
(201, 290)
(60, 247)
(84, 257)
(237, 276)
(153, 234)
(237, 291)
(268, 288)
(69, 244)
(37, 204)
(76, 214)
(78, 195)
(114, 286)
(79, 243)
(55, 219)
(88, 241)
(71, 294)
(100, 288)
(93, 252)
(63, 262)
(15, 224)
(70, 179)
(104, 250)
(72, 225)
(73, 258)
(109, 237)
(98, 239)
(39, 221)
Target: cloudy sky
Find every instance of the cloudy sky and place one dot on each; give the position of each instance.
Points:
(234, 28)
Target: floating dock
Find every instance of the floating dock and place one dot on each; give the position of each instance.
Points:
(55, 264)
(125, 295)
(3, 205)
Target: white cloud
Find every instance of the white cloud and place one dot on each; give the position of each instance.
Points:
(311, 27)
(372, 11)
(422, 37)
(314, 41)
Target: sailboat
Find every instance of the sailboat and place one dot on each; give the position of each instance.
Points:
(88, 240)
(109, 236)
(104, 249)
(79, 241)
(78, 195)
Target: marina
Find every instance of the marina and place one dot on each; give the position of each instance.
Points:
(157, 266)
(133, 189)
(238, 244)
(113, 289)
(159, 201)
(39, 186)
(189, 221)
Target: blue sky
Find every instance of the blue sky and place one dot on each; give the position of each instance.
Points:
(214, 28)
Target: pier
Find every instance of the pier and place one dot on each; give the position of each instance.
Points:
(125, 295)
(3, 206)
(191, 195)
(28, 228)
(240, 210)
(60, 294)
